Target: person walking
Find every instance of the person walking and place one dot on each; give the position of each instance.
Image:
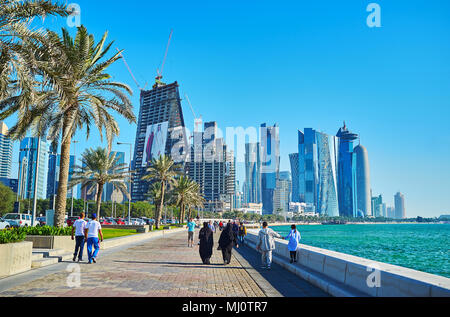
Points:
(92, 231)
(242, 233)
(266, 244)
(191, 229)
(227, 241)
(206, 243)
(212, 226)
(78, 228)
(294, 240)
(220, 225)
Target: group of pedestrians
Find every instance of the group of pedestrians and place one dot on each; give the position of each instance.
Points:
(233, 235)
(87, 232)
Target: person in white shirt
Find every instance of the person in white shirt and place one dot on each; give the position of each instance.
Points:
(78, 228)
(91, 232)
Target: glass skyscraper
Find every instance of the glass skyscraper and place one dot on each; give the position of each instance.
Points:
(270, 165)
(6, 148)
(295, 193)
(362, 206)
(344, 171)
(27, 168)
(318, 172)
(252, 173)
(399, 201)
(54, 160)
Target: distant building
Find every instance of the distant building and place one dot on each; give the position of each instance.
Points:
(295, 193)
(297, 208)
(12, 183)
(361, 183)
(377, 206)
(399, 200)
(390, 212)
(270, 165)
(109, 188)
(252, 187)
(6, 149)
(54, 161)
(252, 208)
(27, 168)
(160, 131)
(282, 193)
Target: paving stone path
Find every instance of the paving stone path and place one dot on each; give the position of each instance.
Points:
(163, 267)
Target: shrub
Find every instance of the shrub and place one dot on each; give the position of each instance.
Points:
(11, 236)
(46, 231)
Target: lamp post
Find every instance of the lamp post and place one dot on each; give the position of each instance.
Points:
(129, 193)
(38, 148)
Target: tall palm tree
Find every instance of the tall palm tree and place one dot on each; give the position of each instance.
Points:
(79, 93)
(162, 170)
(15, 27)
(184, 190)
(100, 167)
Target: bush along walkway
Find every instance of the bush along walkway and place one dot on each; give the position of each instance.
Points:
(163, 267)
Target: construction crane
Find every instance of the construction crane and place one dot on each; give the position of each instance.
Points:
(131, 73)
(197, 121)
(160, 72)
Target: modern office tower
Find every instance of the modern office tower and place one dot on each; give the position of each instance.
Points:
(54, 160)
(6, 148)
(252, 173)
(317, 172)
(399, 201)
(390, 212)
(12, 183)
(344, 171)
(377, 206)
(270, 165)
(295, 194)
(238, 198)
(109, 188)
(27, 168)
(383, 210)
(282, 192)
(160, 131)
(212, 166)
(361, 183)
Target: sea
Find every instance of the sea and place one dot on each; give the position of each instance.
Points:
(422, 247)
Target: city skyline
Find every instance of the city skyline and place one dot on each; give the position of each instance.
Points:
(382, 93)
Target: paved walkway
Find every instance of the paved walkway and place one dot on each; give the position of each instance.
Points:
(162, 268)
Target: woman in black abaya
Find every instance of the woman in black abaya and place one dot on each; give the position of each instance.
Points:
(227, 241)
(206, 243)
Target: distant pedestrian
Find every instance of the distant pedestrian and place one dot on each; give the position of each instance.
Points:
(78, 228)
(220, 226)
(213, 229)
(227, 241)
(191, 229)
(266, 244)
(294, 240)
(242, 233)
(206, 243)
(92, 231)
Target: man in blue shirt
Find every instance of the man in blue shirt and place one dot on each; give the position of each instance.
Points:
(191, 228)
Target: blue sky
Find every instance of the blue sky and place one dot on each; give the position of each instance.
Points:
(302, 64)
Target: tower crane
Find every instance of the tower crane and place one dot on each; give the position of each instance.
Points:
(160, 72)
(131, 73)
(197, 121)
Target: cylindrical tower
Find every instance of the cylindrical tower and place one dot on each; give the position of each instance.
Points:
(362, 180)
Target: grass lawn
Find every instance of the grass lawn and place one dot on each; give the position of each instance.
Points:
(109, 233)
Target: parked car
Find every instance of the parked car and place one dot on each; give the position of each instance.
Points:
(4, 224)
(41, 221)
(120, 221)
(107, 222)
(18, 220)
(112, 221)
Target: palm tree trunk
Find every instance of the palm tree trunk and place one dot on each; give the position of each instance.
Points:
(161, 206)
(61, 198)
(99, 199)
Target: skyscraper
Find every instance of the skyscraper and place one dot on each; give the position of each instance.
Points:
(212, 166)
(6, 148)
(270, 165)
(109, 188)
(27, 168)
(282, 192)
(160, 131)
(317, 172)
(344, 171)
(399, 201)
(54, 160)
(377, 206)
(295, 194)
(361, 183)
(252, 173)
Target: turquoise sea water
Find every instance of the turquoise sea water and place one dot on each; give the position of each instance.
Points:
(422, 247)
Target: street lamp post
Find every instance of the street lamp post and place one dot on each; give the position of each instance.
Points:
(129, 190)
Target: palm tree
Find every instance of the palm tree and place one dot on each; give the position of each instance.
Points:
(78, 93)
(162, 170)
(100, 167)
(15, 19)
(184, 190)
(196, 199)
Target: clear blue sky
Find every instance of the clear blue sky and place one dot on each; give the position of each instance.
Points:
(302, 64)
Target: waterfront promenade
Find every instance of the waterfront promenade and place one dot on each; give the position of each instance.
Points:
(162, 267)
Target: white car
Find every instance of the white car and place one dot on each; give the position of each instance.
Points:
(18, 220)
(4, 224)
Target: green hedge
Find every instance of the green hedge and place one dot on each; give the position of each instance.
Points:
(46, 231)
(11, 236)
